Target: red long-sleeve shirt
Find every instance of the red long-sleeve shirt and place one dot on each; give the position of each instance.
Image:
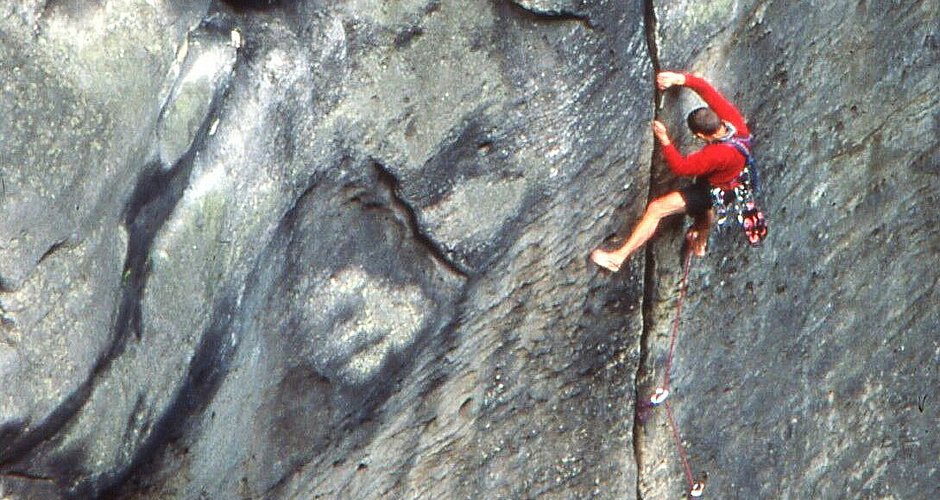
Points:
(719, 163)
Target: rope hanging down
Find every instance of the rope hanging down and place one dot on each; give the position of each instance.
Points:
(683, 287)
(661, 393)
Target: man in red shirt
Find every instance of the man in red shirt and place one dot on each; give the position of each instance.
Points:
(717, 165)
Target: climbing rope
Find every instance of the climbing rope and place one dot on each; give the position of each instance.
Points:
(661, 393)
(674, 336)
(683, 456)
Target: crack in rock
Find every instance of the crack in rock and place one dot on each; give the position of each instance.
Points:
(650, 27)
(410, 216)
(53, 249)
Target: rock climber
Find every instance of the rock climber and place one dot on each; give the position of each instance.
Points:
(718, 167)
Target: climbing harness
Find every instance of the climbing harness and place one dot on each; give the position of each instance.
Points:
(661, 393)
(739, 202)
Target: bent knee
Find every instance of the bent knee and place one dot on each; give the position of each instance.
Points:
(670, 204)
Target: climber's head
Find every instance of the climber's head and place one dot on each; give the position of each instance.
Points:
(705, 124)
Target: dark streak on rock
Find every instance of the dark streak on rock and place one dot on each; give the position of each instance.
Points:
(67, 7)
(155, 196)
(4, 285)
(650, 27)
(245, 6)
(206, 372)
(26, 476)
(154, 199)
(404, 38)
(928, 162)
(55, 247)
(649, 289)
(131, 425)
(15, 450)
(432, 7)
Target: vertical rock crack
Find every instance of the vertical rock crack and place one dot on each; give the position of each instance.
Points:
(652, 45)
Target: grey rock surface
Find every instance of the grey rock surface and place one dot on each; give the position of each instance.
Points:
(298, 269)
(806, 367)
(302, 249)
(553, 8)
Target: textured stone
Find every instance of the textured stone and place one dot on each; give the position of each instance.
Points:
(312, 273)
(551, 7)
(82, 87)
(292, 249)
(206, 61)
(804, 366)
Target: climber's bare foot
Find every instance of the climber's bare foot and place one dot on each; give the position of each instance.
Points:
(607, 260)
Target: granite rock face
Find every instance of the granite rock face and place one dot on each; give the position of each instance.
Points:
(296, 249)
(806, 368)
(292, 249)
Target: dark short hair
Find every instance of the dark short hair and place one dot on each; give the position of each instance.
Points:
(703, 121)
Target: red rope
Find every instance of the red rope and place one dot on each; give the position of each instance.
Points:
(683, 286)
(683, 456)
